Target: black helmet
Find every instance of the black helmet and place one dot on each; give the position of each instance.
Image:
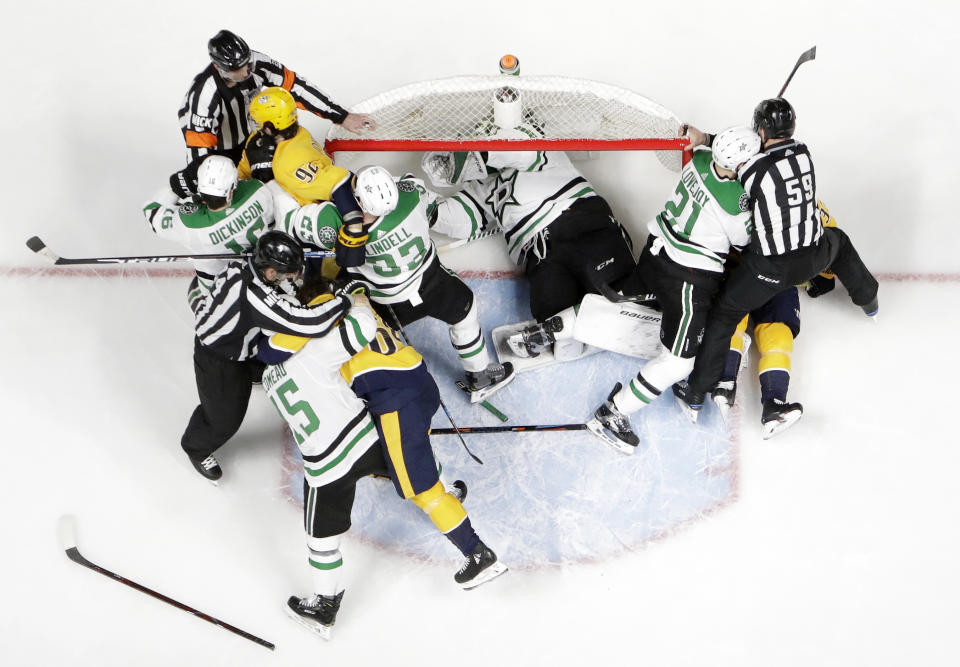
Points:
(279, 251)
(228, 51)
(776, 117)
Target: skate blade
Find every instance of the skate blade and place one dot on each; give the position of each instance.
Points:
(687, 410)
(325, 631)
(781, 424)
(595, 427)
(478, 395)
(489, 574)
(724, 409)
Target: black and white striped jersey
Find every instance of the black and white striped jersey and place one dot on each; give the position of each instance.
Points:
(229, 320)
(782, 187)
(213, 116)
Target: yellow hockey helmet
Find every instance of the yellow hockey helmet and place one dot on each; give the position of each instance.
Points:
(275, 106)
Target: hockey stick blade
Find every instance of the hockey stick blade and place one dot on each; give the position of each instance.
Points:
(39, 247)
(809, 54)
(67, 532)
(611, 294)
(462, 386)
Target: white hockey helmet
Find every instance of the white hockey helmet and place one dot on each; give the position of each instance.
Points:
(734, 146)
(376, 190)
(217, 177)
(507, 107)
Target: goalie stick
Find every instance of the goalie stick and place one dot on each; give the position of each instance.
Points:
(520, 428)
(67, 532)
(38, 246)
(809, 54)
(462, 242)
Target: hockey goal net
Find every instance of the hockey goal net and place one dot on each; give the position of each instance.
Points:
(572, 114)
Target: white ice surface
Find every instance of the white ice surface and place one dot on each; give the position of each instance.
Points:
(841, 544)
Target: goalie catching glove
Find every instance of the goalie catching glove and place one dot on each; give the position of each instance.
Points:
(448, 169)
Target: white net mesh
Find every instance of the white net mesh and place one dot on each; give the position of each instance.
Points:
(460, 109)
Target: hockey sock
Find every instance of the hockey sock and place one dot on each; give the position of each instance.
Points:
(467, 339)
(448, 515)
(775, 341)
(735, 355)
(326, 564)
(659, 374)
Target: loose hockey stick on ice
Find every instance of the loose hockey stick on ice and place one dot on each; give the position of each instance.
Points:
(41, 248)
(462, 386)
(809, 54)
(68, 539)
(509, 429)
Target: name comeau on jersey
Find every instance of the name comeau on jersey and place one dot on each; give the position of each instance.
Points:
(273, 375)
(237, 223)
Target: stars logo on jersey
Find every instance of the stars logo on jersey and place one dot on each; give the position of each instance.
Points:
(744, 202)
(189, 208)
(502, 193)
(327, 236)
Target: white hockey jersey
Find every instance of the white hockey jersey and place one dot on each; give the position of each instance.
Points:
(706, 216)
(234, 229)
(398, 250)
(330, 424)
(529, 190)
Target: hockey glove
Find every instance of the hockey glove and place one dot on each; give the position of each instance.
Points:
(260, 152)
(820, 285)
(347, 285)
(350, 249)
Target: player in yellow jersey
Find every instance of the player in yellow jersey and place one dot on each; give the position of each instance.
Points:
(281, 149)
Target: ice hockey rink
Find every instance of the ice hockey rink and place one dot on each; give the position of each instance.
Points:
(835, 543)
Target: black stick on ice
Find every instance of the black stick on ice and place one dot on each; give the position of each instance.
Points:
(39, 247)
(810, 54)
(519, 428)
(67, 532)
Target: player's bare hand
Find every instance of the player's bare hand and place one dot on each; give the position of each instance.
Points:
(697, 138)
(358, 122)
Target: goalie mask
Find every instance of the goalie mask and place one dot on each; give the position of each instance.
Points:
(217, 178)
(376, 191)
(734, 146)
(507, 107)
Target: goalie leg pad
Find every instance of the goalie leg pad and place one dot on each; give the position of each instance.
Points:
(626, 328)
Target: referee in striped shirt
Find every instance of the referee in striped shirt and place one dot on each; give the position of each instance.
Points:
(213, 115)
(788, 245)
(247, 297)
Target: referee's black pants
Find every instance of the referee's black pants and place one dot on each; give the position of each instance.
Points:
(224, 388)
(759, 278)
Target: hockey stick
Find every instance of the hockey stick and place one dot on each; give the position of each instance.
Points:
(509, 429)
(611, 294)
(462, 242)
(41, 248)
(809, 54)
(68, 539)
(403, 338)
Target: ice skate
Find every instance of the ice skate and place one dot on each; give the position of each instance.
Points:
(724, 395)
(531, 341)
(491, 379)
(458, 489)
(689, 402)
(872, 309)
(317, 613)
(778, 416)
(208, 467)
(478, 568)
(612, 426)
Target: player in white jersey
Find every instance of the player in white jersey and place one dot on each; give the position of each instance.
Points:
(399, 264)
(230, 217)
(341, 443)
(682, 264)
(557, 229)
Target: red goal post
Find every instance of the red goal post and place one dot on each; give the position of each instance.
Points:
(573, 114)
